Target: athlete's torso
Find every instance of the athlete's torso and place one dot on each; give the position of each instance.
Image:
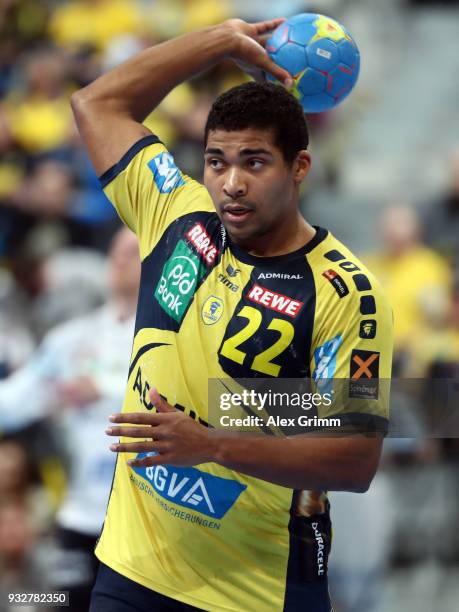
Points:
(209, 536)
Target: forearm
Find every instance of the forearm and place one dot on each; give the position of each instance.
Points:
(335, 464)
(137, 86)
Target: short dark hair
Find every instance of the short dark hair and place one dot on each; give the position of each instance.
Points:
(265, 106)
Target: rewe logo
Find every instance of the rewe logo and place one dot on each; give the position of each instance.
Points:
(201, 241)
(275, 301)
(189, 487)
(165, 173)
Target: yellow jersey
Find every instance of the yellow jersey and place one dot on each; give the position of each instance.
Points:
(209, 536)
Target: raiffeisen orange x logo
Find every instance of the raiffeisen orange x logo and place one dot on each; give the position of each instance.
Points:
(364, 365)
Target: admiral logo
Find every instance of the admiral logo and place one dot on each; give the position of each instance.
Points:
(212, 310)
(337, 282)
(265, 275)
(191, 488)
(275, 301)
(201, 241)
(165, 173)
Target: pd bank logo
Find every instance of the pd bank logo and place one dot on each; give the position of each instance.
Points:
(179, 278)
(165, 173)
(189, 487)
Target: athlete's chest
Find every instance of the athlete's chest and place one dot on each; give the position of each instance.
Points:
(256, 317)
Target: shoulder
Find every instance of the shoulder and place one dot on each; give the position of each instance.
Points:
(148, 166)
(343, 282)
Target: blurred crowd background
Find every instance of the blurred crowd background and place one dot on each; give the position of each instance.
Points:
(385, 180)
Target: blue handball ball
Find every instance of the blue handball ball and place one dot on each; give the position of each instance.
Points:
(322, 57)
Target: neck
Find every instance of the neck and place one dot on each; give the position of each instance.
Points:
(290, 236)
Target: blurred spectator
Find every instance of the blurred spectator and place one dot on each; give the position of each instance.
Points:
(77, 378)
(436, 348)
(167, 18)
(73, 283)
(39, 115)
(54, 282)
(14, 470)
(22, 25)
(255, 10)
(416, 278)
(93, 23)
(16, 341)
(362, 526)
(21, 557)
(442, 217)
(45, 192)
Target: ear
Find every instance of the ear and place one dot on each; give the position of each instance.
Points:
(301, 166)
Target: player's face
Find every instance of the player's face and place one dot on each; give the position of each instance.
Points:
(254, 190)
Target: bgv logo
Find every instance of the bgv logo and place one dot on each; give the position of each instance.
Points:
(189, 487)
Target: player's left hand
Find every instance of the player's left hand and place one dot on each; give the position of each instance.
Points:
(176, 438)
(249, 51)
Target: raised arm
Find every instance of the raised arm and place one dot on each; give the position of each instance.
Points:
(109, 112)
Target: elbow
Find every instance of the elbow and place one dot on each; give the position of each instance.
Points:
(87, 101)
(81, 101)
(361, 487)
(362, 480)
(356, 485)
(91, 102)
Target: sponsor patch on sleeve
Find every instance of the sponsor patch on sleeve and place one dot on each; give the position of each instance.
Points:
(337, 282)
(165, 173)
(368, 329)
(364, 374)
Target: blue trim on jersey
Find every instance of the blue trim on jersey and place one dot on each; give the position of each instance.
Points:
(108, 176)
